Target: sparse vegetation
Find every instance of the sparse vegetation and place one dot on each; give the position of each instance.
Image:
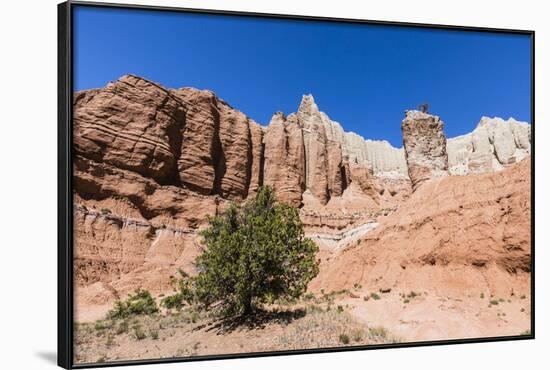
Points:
(344, 338)
(379, 331)
(413, 294)
(139, 303)
(123, 327)
(154, 333)
(139, 334)
(357, 335)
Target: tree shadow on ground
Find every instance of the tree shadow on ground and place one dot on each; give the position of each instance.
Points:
(258, 320)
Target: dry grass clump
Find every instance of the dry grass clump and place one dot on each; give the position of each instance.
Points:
(323, 329)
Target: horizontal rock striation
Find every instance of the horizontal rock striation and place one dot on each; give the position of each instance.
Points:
(183, 137)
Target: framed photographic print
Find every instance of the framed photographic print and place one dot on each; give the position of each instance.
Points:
(238, 184)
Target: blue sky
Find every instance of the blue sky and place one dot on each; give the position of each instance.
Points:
(363, 76)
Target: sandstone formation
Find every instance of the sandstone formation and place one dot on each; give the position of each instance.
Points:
(220, 147)
(425, 146)
(493, 144)
(285, 158)
(454, 235)
(151, 164)
(132, 124)
(184, 137)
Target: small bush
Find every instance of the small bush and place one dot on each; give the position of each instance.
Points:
(366, 298)
(154, 333)
(375, 296)
(340, 309)
(139, 334)
(102, 325)
(378, 331)
(357, 335)
(140, 303)
(184, 293)
(493, 302)
(357, 286)
(412, 294)
(122, 327)
(522, 296)
(406, 300)
(309, 297)
(312, 308)
(110, 340)
(105, 211)
(344, 338)
(482, 296)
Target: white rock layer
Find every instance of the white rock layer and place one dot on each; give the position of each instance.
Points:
(381, 157)
(493, 144)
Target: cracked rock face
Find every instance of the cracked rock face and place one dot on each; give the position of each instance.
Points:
(285, 158)
(185, 137)
(425, 147)
(133, 124)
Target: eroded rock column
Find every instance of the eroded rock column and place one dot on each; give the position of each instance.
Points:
(425, 147)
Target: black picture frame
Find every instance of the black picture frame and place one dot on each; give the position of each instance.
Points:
(65, 196)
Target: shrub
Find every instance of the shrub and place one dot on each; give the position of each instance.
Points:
(344, 338)
(340, 309)
(375, 296)
(412, 294)
(378, 331)
(122, 327)
(357, 335)
(256, 253)
(139, 333)
(139, 303)
(184, 292)
(493, 302)
(154, 333)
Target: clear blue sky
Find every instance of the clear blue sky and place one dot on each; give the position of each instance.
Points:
(363, 76)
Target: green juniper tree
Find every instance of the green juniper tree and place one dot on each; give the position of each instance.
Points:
(256, 253)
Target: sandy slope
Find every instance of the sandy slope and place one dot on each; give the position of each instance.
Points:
(458, 239)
